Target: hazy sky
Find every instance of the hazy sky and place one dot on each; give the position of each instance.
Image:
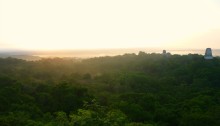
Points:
(89, 24)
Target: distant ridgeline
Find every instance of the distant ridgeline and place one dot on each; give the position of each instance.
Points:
(125, 90)
(207, 56)
(82, 54)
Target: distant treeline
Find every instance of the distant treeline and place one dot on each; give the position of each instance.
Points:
(125, 90)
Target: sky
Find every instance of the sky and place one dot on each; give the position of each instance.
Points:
(95, 24)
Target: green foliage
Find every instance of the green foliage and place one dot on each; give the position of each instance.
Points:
(125, 90)
(115, 118)
(61, 119)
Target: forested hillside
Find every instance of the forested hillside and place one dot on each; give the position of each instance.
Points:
(130, 90)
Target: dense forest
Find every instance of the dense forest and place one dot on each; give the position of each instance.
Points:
(126, 90)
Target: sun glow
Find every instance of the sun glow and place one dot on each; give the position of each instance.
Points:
(56, 24)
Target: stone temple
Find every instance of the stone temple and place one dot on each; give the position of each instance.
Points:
(208, 54)
(164, 52)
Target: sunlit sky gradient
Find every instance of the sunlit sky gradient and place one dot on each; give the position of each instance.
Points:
(91, 24)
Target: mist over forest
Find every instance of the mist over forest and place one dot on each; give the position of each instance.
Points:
(32, 55)
(143, 89)
(109, 63)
